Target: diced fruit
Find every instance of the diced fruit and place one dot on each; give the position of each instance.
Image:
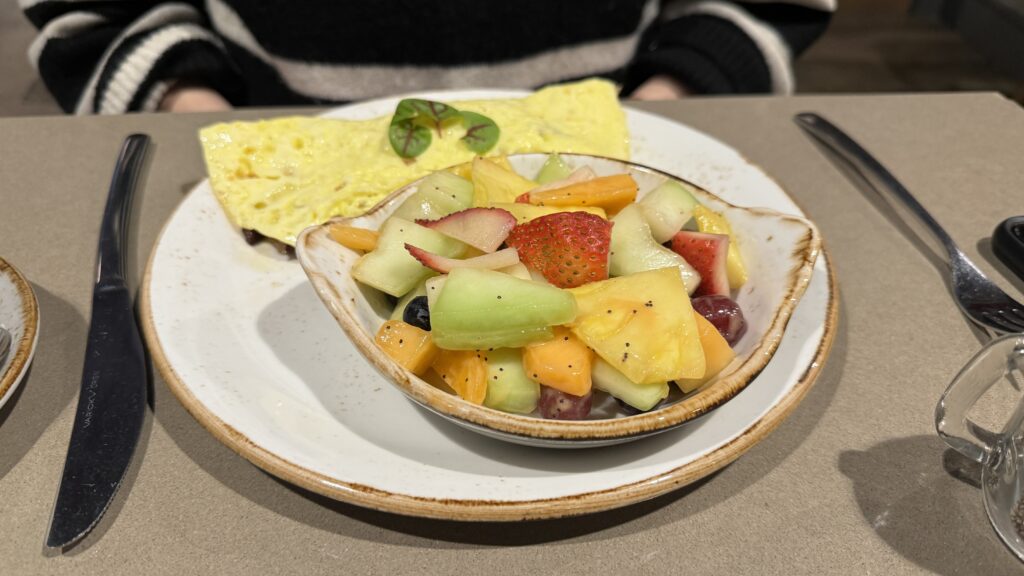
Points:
(707, 253)
(410, 347)
(481, 228)
(568, 248)
(493, 183)
(714, 223)
(643, 397)
(390, 268)
(438, 263)
(527, 212)
(417, 313)
(465, 371)
(554, 168)
(437, 195)
(581, 174)
(508, 387)
(561, 406)
(725, 314)
(717, 355)
(433, 288)
(634, 250)
(562, 363)
(642, 325)
(354, 238)
(399, 312)
(609, 192)
(487, 309)
(519, 270)
(667, 209)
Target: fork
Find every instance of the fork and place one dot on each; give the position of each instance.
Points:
(978, 297)
(5, 344)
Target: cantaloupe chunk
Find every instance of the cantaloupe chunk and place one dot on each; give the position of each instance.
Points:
(354, 238)
(717, 354)
(465, 371)
(407, 345)
(612, 193)
(563, 363)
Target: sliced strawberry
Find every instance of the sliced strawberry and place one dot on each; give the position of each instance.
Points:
(444, 265)
(707, 254)
(482, 228)
(568, 248)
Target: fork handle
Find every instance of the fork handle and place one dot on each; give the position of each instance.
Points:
(880, 179)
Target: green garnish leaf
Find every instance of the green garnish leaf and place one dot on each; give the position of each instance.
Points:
(409, 132)
(408, 139)
(481, 132)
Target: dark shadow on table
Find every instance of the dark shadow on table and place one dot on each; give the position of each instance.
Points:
(356, 522)
(44, 392)
(923, 500)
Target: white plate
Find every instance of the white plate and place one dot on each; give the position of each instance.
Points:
(243, 341)
(19, 314)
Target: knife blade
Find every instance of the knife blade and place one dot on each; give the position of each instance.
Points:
(112, 396)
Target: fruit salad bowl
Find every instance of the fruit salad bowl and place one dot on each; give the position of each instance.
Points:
(778, 250)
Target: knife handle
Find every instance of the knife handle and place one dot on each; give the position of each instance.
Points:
(114, 228)
(1008, 244)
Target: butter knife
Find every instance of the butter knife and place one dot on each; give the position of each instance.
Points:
(112, 397)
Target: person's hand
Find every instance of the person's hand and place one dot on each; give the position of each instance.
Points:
(186, 98)
(660, 87)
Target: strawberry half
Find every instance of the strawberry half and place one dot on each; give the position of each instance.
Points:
(568, 248)
(707, 254)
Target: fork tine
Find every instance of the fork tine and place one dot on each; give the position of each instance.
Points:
(999, 322)
(1016, 316)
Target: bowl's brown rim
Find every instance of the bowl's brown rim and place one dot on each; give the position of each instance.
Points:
(709, 397)
(488, 510)
(22, 351)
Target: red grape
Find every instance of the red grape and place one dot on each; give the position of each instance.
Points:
(561, 406)
(724, 313)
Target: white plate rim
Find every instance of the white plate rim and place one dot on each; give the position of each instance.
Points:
(487, 509)
(23, 350)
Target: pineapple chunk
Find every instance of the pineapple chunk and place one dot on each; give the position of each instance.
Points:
(494, 183)
(642, 325)
(563, 363)
(714, 223)
(407, 345)
(526, 212)
(717, 355)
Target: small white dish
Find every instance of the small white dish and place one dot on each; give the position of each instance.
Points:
(19, 314)
(779, 251)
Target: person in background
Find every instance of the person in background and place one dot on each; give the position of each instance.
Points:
(116, 56)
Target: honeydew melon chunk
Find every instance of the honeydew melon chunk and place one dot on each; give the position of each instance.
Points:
(390, 268)
(399, 311)
(436, 196)
(480, 309)
(508, 387)
(554, 168)
(433, 288)
(634, 250)
(643, 397)
(667, 208)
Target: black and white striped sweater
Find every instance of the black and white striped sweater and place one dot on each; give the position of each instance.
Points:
(113, 56)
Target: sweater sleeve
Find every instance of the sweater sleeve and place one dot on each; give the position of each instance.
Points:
(718, 47)
(115, 56)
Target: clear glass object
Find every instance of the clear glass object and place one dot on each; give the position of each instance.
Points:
(1001, 454)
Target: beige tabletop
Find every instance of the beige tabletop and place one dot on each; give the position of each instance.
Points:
(855, 481)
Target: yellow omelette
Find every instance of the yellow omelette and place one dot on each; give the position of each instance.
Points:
(279, 176)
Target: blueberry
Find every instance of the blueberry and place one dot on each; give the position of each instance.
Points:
(417, 313)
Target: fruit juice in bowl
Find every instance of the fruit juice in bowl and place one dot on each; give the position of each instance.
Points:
(509, 295)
